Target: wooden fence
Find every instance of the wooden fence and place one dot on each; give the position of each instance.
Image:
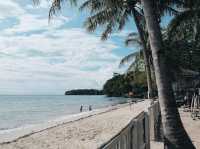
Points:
(138, 133)
(155, 122)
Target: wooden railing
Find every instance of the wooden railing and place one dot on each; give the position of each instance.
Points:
(136, 135)
(155, 122)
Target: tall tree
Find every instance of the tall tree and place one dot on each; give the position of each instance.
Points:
(139, 56)
(175, 136)
(114, 13)
(146, 53)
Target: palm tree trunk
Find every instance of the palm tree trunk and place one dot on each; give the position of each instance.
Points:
(175, 136)
(146, 56)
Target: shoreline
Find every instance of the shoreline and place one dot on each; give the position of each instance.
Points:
(14, 134)
(86, 131)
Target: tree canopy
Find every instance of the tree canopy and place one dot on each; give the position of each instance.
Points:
(120, 85)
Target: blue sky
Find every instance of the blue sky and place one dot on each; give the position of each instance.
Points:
(41, 58)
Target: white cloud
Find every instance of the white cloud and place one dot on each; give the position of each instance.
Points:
(55, 57)
(30, 23)
(9, 8)
(51, 61)
(44, 4)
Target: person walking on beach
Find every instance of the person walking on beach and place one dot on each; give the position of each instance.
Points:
(90, 108)
(81, 108)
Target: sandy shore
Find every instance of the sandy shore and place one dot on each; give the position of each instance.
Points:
(87, 131)
(191, 126)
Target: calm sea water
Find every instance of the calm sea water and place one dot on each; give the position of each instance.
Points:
(17, 111)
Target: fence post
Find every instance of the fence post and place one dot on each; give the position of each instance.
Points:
(137, 134)
(134, 134)
(151, 121)
(147, 131)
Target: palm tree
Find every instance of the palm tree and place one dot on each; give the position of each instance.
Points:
(175, 137)
(116, 13)
(133, 38)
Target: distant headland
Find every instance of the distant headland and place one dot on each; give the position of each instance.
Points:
(84, 92)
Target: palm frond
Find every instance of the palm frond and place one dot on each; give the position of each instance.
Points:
(137, 65)
(123, 19)
(132, 41)
(132, 34)
(36, 2)
(108, 30)
(111, 14)
(133, 38)
(92, 6)
(101, 18)
(186, 15)
(131, 67)
(128, 58)
(56, 6)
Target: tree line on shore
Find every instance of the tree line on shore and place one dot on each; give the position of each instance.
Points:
(163, 51)
(123, 84)
(84, 92)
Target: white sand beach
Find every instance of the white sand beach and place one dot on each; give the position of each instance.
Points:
(86, 131)
(191, 126)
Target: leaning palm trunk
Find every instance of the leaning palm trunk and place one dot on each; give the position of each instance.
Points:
(175, 136)
(146, 57)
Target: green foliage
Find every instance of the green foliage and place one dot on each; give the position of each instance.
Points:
(182, 54)
(182, 38)
(120, 85)
(84, 92)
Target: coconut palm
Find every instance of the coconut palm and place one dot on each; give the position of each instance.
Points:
(132, 40)
(136, 58)
(175, 137)
(115, 15)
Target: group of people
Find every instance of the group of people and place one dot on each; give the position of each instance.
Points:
(189, 95)
(192, 103)
(89, 108)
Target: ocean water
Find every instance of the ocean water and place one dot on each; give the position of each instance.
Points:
(18, 111)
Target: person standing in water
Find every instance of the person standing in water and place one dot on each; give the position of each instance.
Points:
(90, 108)
(81, 108)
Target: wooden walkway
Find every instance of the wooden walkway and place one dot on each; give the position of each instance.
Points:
(192, 127)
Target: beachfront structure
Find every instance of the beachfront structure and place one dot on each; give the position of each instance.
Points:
(186, 80)
(139, 132)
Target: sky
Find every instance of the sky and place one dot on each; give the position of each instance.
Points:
(37, 57)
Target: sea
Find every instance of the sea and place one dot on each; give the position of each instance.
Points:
(23, 110)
